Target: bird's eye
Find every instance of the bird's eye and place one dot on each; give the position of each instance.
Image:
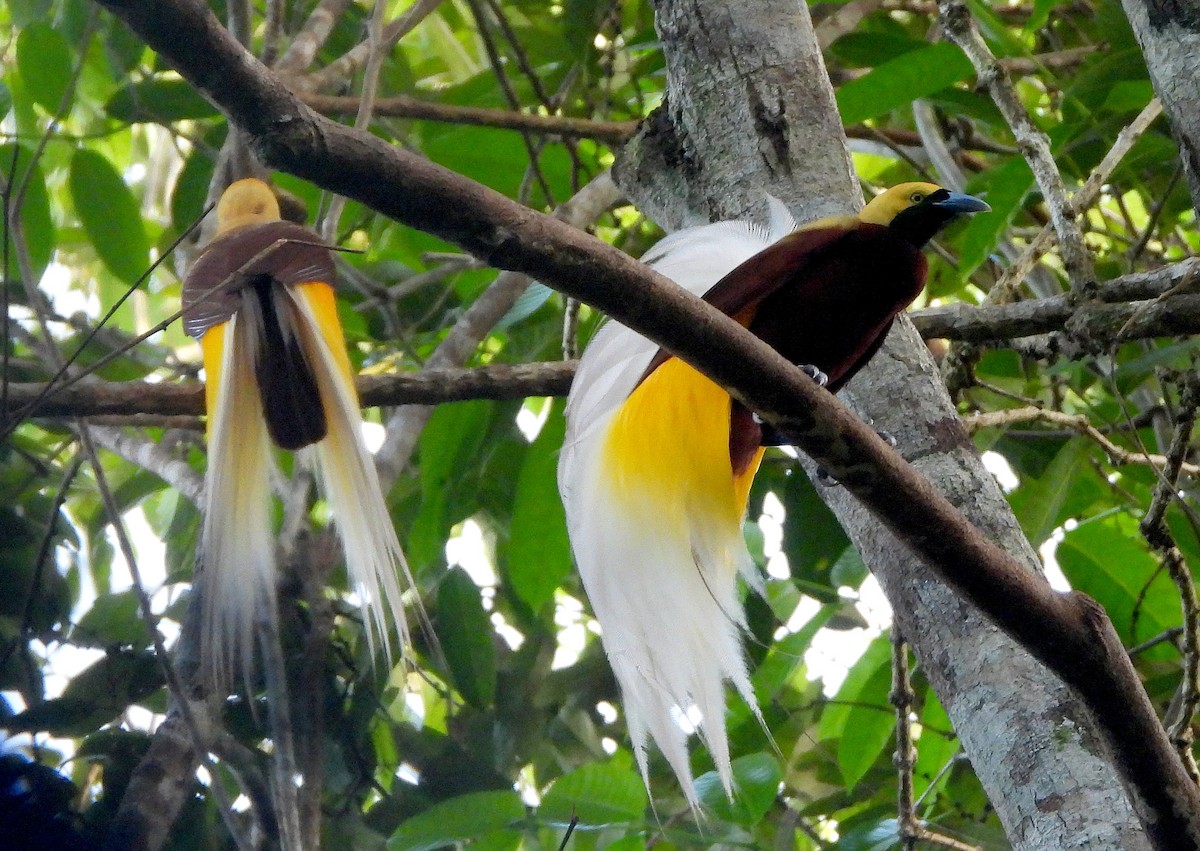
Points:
(917, 197)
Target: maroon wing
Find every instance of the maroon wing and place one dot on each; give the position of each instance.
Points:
(246, 271)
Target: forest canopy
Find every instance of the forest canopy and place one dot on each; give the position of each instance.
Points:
(1061, 326)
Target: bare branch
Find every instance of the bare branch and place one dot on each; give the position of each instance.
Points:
(1083, 198)
(961, 29)
(1156, 532)
(1118, 455)
(303, 49)
(343, 68)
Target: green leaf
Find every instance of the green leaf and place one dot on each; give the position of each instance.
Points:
(457, 820)
(785, 660)
(191, 189)
(448, 445)
(859, 717)
(37, 226)
(934, 747)
(112, 621)
(1107, 559)
(537, 554)
(869, 49)
(1039, 503)
(756, 779)
(465, 633)
(28, 12)
(1005, 189)
(44, 61)
(900, 81)
(110, 215)
(598, 794)
(1129, 96)
(159, 100)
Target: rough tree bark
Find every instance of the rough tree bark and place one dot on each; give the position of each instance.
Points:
(749, 109)
(1169, 34)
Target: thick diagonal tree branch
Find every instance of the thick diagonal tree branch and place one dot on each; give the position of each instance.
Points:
(1069, 633)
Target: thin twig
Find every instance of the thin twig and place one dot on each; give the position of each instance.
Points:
(341, 69)
(1033, 143)
(303, 49)
(901, 697)
(1157, 534)
(366, 105)
(1078, 423)
(1083, 198)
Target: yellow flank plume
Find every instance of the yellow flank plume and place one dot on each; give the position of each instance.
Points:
(320, 298)
(212, 344)
(668, 448)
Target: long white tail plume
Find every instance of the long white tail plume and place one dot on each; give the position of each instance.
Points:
(238, 580)
(659, 553)
(351, 485)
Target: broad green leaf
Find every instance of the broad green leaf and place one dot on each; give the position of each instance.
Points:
(1004, 189)
(756, 779)
(868, 49)
(1000, 37)
(813, 540)
(1107, 559)
(1129, 96)
(110, 215)
(27, 12)
(191, 189)
(112, 621)
(598, 793)
(934, 747)
(537, 552)
(447, 446)
(1038, 503)
(37, 226)
(465, 633)
(860, 717)
(785, 659)
(882, 835)
(159, 100)
(458, 820)
(44, 60)
(527, 303)
(900, 81)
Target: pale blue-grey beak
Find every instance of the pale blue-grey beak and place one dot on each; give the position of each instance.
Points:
(959, 203)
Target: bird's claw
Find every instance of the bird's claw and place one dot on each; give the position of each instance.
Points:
(826, 480)
(815, 374)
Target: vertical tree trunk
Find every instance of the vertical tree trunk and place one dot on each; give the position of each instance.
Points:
(749, 109)
(1169, 34)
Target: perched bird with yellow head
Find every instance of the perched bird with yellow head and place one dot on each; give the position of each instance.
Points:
(658, 460)
(260, 298)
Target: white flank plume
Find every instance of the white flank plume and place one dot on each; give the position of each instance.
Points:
(661, 578)
(238, 580)
(351, 486)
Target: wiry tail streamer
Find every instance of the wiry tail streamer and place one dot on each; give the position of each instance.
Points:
(655, 510)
